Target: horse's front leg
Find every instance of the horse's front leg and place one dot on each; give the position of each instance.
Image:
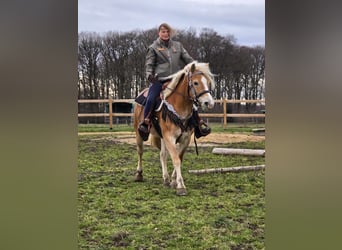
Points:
(181, 150)
(170, 144)
(173, 179)
(163, 161)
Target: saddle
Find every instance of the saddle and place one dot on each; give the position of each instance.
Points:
(142, 96)
(141, 100)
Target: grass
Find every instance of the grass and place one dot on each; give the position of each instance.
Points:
(221, 211)
(104, 128)
(216, 127)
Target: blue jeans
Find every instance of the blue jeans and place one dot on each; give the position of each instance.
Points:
(153, 95)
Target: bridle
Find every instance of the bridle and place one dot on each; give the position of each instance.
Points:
(191, 88)
(192, 95)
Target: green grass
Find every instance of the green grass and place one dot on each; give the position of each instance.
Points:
(216, 127)
(220, 211)
(104, 128)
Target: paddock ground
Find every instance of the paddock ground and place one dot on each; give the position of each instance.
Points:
(221, 211)
(211, 140)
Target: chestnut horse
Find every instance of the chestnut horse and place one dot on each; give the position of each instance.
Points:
(187, 88)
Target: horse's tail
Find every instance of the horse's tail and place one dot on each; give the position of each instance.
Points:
(156, 141)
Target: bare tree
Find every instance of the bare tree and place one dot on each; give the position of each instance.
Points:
(114, 64)
(190, 41)
(257, 72)
(89, 48)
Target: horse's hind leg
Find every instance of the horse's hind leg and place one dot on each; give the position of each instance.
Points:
(138, 173)
(138, 116)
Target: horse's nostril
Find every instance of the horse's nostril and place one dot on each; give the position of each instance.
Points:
(206, 104)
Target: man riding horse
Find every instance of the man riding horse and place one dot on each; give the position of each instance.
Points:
(165, 57)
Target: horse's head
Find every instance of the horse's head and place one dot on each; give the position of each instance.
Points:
(201, 84)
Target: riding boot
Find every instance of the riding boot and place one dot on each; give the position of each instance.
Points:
(154, 92)
(144, 128)
(201, 128)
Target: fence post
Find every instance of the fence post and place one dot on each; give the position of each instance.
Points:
(225, 113)
(110, 101)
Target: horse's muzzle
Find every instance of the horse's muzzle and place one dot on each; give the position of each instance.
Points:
(208, 103)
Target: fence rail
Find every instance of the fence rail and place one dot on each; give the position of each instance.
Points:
(111, 115)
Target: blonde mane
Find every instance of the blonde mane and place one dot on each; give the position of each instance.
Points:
(175, 78)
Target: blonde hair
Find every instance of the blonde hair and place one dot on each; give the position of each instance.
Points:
(168, 27)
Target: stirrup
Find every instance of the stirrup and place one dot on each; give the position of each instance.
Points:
(202, 131)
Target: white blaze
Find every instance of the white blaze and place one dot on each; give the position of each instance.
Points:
(206, 100)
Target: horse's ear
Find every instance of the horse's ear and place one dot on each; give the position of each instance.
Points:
(192, 70)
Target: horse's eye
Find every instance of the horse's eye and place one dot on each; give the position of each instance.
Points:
(195, 83)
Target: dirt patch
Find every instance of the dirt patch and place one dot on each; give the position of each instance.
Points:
(209, 140)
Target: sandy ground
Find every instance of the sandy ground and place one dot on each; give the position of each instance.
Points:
(210, 140)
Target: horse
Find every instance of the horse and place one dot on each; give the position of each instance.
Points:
(186, 89)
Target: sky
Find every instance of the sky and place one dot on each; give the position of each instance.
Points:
(244, 19)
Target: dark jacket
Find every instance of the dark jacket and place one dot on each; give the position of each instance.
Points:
(166, 58)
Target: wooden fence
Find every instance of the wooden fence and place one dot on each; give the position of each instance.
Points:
(111, 115)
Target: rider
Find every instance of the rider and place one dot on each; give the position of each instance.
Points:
(165, 57)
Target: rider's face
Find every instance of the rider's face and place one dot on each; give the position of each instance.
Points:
(164, 33)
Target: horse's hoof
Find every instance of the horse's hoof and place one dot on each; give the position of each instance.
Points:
(181, 191)
(166, 184)
(138, 177)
